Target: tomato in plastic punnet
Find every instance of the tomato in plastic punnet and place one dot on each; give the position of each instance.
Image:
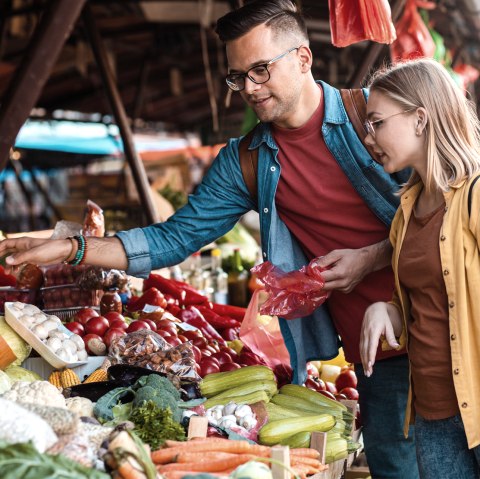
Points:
(97, 325)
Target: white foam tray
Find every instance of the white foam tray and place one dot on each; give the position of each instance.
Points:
(35, 342)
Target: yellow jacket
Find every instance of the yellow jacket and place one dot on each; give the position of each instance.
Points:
(459, 252)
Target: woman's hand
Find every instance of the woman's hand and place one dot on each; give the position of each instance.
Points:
(380, 320)
(34, 250)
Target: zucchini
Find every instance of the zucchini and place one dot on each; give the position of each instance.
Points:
(218, 382)
(270, 388)
(253, 397)
(301, 439)
(276, 431)
(308, 395)
(278, 412)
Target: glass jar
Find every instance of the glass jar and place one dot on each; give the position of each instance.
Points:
(111, 301)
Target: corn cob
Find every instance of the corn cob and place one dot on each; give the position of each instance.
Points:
(216, 383)
(69, 378)
(97, 376)
(250, 398)
(55, 379)
(276, 431)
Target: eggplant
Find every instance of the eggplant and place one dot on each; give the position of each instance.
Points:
(129, 374)
(94, 391)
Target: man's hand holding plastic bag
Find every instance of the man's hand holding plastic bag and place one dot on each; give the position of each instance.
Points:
(292, 294)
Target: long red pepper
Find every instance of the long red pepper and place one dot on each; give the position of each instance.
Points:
(217, 321)
(191, 315)
(166, 286)
(234, 312)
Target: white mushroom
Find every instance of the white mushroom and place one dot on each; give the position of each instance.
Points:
(82, 355)
(75, 338)
(50, 324)
(54, 344)
(64, 355)
(40, 331)
(69, 346)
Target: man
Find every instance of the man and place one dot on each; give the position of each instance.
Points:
(319, 195)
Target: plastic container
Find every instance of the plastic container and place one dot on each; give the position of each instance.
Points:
(8, 293)
(69, 296)
(36, 343)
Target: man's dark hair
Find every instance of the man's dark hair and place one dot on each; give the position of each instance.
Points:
(280, 15)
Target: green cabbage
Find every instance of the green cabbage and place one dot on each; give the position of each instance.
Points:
(252, 470)
(20, 348)
(16, 373)
(5, 383)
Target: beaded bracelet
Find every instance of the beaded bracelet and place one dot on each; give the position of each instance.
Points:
(79, 255)
(85, 249)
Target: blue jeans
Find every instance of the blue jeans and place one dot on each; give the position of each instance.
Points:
(383, 401)
(442, 449)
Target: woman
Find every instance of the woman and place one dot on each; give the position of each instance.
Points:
(419, 118)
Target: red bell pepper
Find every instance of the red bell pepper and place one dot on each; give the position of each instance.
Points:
(166, 286)
(235, 312)
(153, 297)
(7, 279)
(217, 321)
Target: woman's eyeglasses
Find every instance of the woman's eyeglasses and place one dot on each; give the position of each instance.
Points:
(370, 125)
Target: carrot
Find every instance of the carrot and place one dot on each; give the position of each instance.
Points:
(181, 474)
(127, 471)
(164, 456)
(305, 451)
(307, 461)
(208, 466)
(221, 445)
(206, 456)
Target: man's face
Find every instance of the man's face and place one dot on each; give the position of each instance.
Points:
(277, 99)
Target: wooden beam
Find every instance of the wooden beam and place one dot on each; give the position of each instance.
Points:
(138, 171)
(26, 85)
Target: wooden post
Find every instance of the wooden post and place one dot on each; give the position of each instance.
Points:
(282, 454)
(30, 77)
(101, 58)
(319, 443)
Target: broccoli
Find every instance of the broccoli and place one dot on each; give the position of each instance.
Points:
(160, 397)
(158, 382)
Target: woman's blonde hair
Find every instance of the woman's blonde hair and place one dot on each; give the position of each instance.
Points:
(452, 131)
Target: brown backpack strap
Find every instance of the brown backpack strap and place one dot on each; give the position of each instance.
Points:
(356, 107)
(249, 164)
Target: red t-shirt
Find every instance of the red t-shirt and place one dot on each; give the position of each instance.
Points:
(324, 212)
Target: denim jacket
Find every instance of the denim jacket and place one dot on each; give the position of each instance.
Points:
(222, 198)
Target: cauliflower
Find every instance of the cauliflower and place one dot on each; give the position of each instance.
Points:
(37, 392)
(80, 405)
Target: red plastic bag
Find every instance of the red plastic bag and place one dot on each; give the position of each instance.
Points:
(263, 336)
(413, 38)
(353, 21)
(293, 294)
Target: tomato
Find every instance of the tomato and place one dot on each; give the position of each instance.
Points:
(229, 367)
(97, 325)
(346, 379)
(222, 357)
(137, 326)
(94, 344)
(331, 387)
(197, 354)
(312, 384)
(111, 334)
(83, 315)
(350, 393)
(114, 316)
(229, 334)
(208, 366)
(340, 397)
(173, 341)
(75, 327)
(192, 334)
(152, 325)
(118, 324)
(200, 342)
(182, 338)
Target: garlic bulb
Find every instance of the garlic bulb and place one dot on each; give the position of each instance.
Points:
(227, 421)
(229, 408)
(242, 411)
(248, 422)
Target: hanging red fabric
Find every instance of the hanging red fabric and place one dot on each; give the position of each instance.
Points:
(353, 21)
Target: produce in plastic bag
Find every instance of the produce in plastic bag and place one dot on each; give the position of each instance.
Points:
(94, 222)
(149, 350)
(413, 38)
(293, 294)
(353, 21)
(97, 278)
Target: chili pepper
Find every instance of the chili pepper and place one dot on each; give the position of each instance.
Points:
(217, 321)
(174, 309)
(191, 315)
(167, 286)
(194, 297)
(153, 297)
(234, 312)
